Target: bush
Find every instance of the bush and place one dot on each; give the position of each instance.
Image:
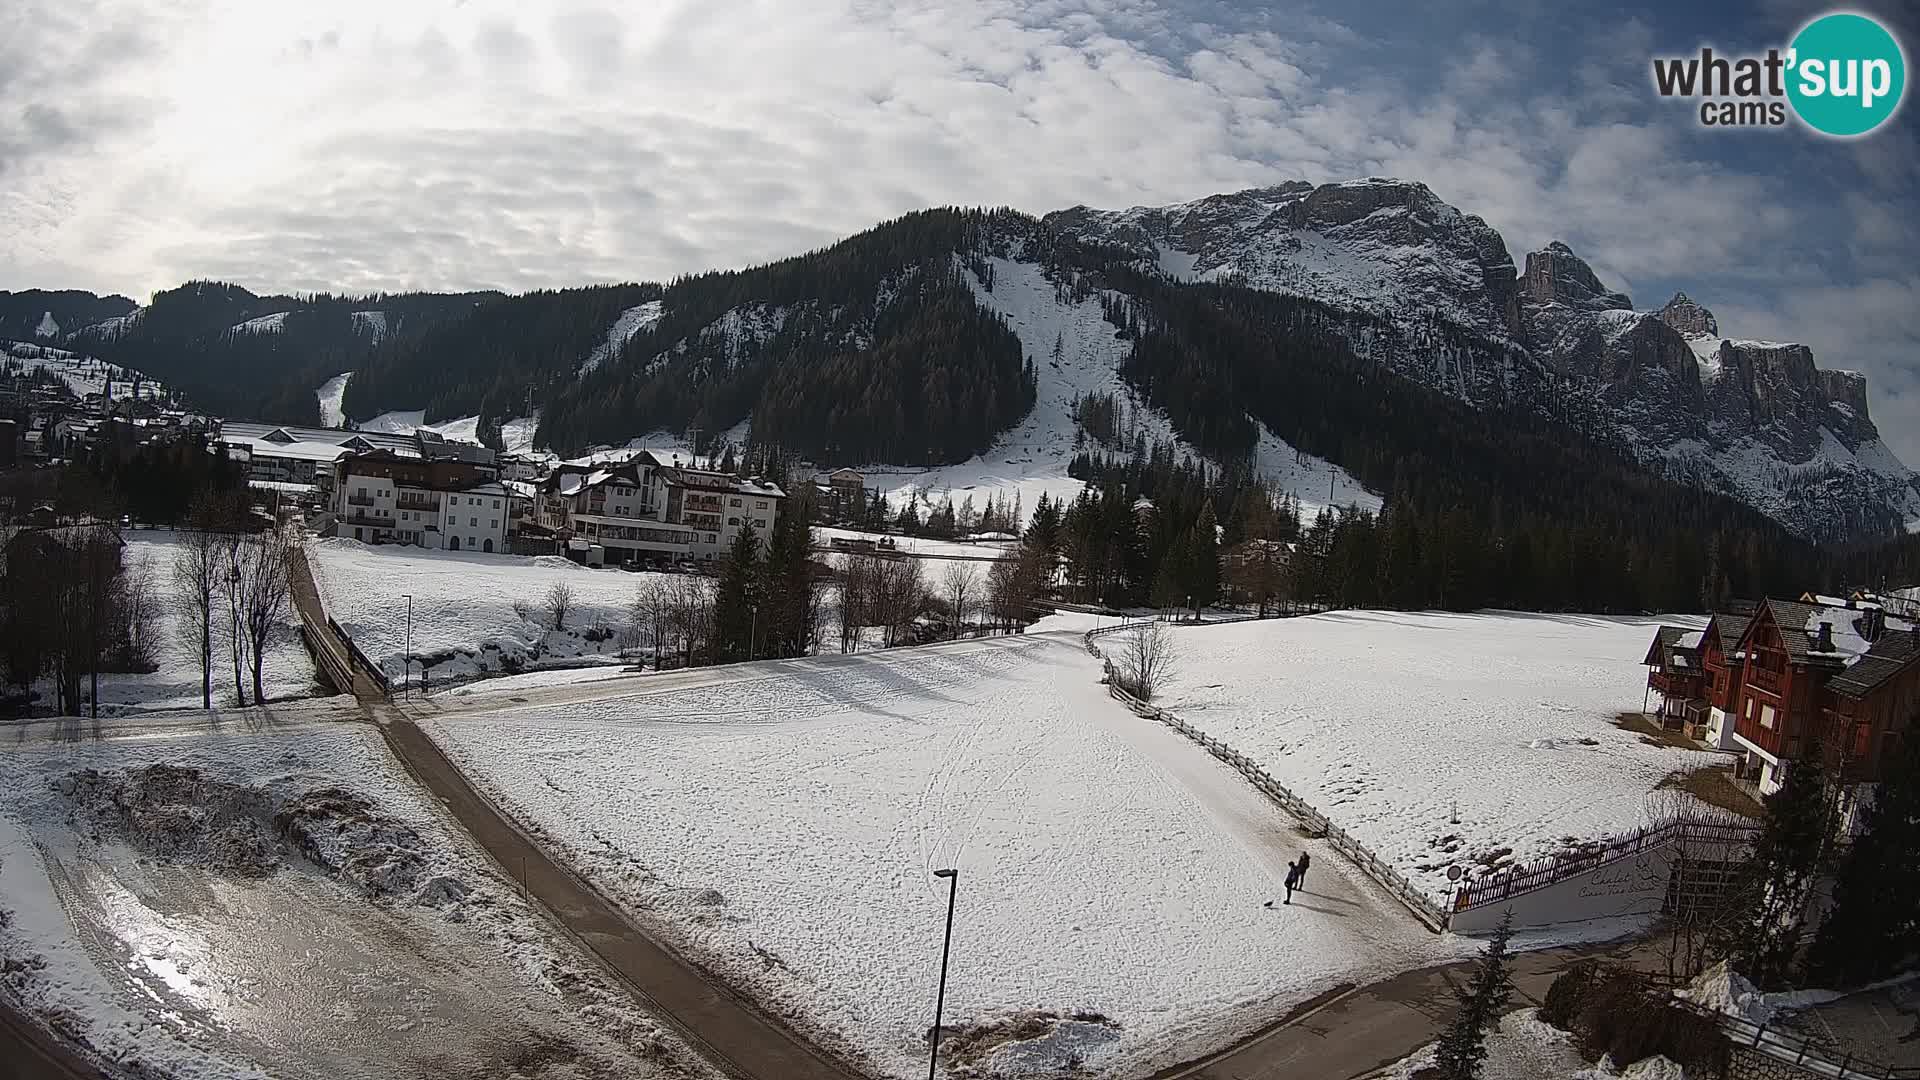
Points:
(1568, 995)
(1613, 1011)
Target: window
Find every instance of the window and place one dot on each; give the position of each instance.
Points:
(1767, 716)
(451, 520)
(473, 523)
(712, 539)
(733, 521)
(733, 502)
(496, 504)
(494, 524)
(760, 504)
(759, 523)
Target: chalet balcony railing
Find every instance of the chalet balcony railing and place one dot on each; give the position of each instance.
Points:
(1764, 679)
(1675, 685)
(709, 503)
(416, 502)
(359, 500)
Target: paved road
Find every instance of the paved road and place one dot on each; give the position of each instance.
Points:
(1361, 1031)
(732, 1032)
(29, 1052)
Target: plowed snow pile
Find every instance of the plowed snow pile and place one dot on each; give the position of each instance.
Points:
(285, 905)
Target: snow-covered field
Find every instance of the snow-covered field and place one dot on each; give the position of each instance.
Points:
(782, 823)
(464, 622)
(288, 905)
(330, 393)
(175, 684)
(1394, 724)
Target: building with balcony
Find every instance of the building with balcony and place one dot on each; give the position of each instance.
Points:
(1677, 675)
(450, 501)
(644, 510)
(1838, 675)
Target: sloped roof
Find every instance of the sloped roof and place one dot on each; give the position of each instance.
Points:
(1896, 651)
(1731, 629)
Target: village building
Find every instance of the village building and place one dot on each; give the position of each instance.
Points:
(438, 494)
(1835, 675)
(644, 511)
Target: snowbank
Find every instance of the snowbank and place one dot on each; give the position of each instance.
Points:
(209, 905)
(1435, 739)
(782, 821)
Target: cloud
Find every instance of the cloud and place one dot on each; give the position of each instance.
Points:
(367, 145)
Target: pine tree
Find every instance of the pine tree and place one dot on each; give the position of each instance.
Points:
(1874, 925)
(1464, 1047)
(1200, 567)
(786, 614)
(737, 599)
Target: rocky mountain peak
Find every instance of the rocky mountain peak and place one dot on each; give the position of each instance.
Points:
(1332, 205)
(1555, 275)
(1689, 318)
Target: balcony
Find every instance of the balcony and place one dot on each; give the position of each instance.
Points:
(1676, 684)
(703, 503)
(1762, 679)
(415, 502)
(359, 500)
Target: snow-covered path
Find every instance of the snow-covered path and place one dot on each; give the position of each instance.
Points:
(781, 824)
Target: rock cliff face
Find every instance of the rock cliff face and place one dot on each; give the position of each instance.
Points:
(1760, 420)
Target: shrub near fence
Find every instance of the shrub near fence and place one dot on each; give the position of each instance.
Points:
(1424, 908)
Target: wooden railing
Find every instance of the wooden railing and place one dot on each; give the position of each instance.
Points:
(1423, 907)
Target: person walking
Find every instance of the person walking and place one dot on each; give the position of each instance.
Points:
(1293, 880)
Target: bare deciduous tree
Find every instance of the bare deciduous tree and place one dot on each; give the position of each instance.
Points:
(958, 587)
(196, 593)
(139, 607)
(1145, 655)
(265, 601)
(559, 603)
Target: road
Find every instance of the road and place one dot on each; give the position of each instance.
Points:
(731, 1032)
(1361, 1031)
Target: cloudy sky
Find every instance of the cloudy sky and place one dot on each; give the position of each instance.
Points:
(359, 146)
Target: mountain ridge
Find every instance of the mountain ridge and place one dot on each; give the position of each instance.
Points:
(1431, 293)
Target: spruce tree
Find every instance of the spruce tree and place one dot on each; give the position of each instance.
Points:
(1200, 565)
(737, 598)
(1484, 1000)
(1874, 927)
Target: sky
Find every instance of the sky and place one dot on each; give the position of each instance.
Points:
(356, 146)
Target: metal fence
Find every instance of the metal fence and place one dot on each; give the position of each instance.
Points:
(1552, 869)
(1424, 907)
(1797, 1050)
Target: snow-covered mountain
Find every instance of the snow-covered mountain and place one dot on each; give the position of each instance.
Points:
(1756, 419)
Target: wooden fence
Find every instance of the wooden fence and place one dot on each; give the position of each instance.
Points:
(1424, 907)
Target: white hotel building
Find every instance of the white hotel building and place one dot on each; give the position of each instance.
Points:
(644, 511)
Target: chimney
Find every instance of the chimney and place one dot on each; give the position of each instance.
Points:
(1872, 622)
(1823, 642)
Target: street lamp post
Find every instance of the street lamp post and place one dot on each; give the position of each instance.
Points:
(406, 671)
(940, 1001)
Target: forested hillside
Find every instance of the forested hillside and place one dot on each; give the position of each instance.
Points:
(259, 357)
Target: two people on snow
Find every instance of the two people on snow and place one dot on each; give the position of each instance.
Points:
(1296, 876)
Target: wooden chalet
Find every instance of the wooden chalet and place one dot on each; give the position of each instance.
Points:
(1677, 673)
(1841, 674)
